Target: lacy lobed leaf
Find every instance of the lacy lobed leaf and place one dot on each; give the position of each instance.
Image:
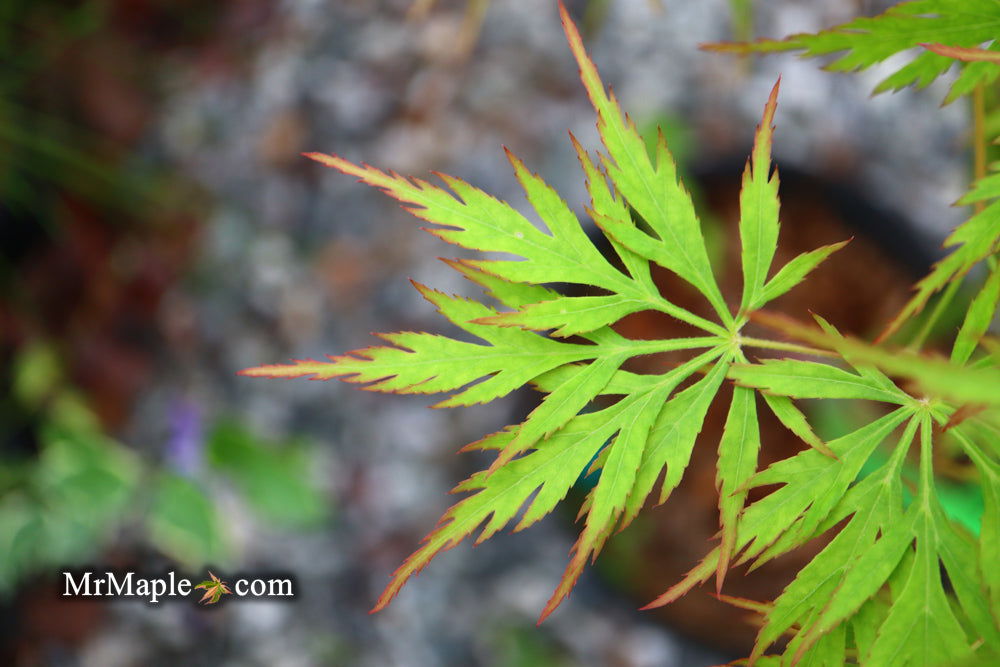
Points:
(638, 431)
(866, 41)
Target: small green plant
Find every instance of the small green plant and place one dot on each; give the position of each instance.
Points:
(899, 582)
(63, 505)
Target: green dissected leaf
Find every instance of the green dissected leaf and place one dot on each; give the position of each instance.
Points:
(654, 192)
(921, 627)
(805, 477)
(984, 189)
(865, 623)
(738, 450)
(880, 544)
(569, 315)
(426, 363)
(793, 419)
(561, 405)
(865, 41)
(876, 504)
(977, 319)
(759, 211)
(958, 555)
(974, 240)
(803, 509)
(879, 576)
(808, 379)
(650, 428)
(623, 458)
(551, 469)
(862, 366)
(989, 534)
(977, 71)
(937, 377)
(794, 272)
(671, 440)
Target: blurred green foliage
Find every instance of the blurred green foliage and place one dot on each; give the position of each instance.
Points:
(82, 491)
(524, 646)
(57, 507)
(274, 479)
(183, 522)
(93, 231)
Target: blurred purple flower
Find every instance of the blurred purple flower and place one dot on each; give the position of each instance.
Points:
(184, 449)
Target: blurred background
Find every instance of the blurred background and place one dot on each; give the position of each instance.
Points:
(159, 231)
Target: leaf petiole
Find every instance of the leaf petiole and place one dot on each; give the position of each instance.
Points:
(637, 347)
(745, 341)
(664, 306)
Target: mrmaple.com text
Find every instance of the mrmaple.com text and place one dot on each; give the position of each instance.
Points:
(169, 585)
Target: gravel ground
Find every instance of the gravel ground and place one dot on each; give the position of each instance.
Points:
(297, 261)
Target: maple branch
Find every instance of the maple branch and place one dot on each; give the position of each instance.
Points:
(679, 313)
(979, 138)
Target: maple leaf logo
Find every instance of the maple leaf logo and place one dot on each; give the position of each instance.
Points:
(214, 589)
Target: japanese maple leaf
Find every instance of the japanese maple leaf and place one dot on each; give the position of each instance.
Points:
(214, 589)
